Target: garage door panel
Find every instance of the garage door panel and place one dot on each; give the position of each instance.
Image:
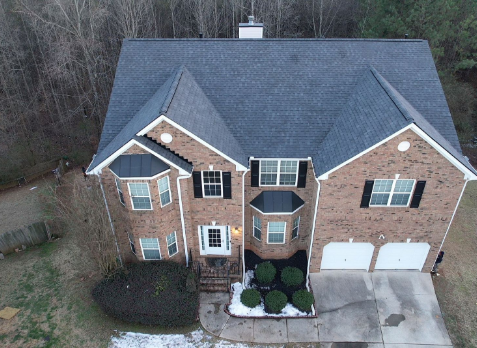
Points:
(347, 256)
(408, 256)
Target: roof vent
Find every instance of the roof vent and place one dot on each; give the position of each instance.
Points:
(251, 30)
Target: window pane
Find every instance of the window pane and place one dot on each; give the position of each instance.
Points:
(171, 238)
(172, 249)
(257, 227)
(382, 185)
(268, 179)
(165, 198)
(118, 184)
(269, 166)
(257, 233)
(276, 227)
(139, 189)
(288, 166)
(295, 233)
(400, 199)
(150, 243)
(287, 179)
(152, 254)
(141, 202)
(164, 184)
(403, 186)
(212, 183)
(379, 199)
(276, 237)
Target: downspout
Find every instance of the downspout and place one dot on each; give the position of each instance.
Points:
(453, 214)
(182, 215)
(243, 227)
(110, 221)
(312, 239)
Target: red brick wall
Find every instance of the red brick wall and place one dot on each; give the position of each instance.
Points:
(202, 211)
(340, 217)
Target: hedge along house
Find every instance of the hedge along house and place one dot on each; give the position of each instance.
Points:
(343, 148)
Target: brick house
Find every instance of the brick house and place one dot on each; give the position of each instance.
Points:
(343, 148)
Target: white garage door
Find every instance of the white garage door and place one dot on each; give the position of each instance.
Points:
(402, 256)
(347, 256)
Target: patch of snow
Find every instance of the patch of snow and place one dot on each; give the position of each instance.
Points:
(194, 339)
(248, 278)
(236, 307)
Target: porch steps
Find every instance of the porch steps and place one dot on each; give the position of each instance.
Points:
(214, 284)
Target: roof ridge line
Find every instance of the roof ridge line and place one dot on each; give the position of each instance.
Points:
(172, 90)
(383, 83)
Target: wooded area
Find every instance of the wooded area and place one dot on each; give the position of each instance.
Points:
(58, 57)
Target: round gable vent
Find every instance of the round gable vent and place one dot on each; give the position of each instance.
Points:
(166, 138)
(404, 146)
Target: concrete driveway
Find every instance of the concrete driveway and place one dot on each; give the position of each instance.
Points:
(378, 310)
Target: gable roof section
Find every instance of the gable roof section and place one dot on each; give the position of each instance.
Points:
(374, 112)
(157, 104)
(191, 109)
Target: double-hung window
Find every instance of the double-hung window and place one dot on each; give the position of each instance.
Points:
(278, 173)
(276, 232)
(140, 196)
(150, 248)
(164, 191)
(212, 183)
(391, 193)
(257, 228)
(120, 191)
(296, 227)
(172, 244)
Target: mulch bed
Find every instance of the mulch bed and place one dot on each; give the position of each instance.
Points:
(298, 260)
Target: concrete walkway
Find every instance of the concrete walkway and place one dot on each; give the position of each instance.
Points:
(355, 309)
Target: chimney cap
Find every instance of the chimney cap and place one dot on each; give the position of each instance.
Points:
(250, 19)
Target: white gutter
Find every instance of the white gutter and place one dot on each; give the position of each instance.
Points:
(452, 218)
(243, 227)
(110, 221)
(182, 215)
(312, 238)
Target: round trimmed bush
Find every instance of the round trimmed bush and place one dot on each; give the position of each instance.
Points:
(161, 293)
(292, 276)
(265, 273)
(275, 301)
(250, 298)
(303, 300)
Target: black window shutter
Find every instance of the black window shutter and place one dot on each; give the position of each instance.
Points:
(416, 199)
(302, 169)
(197, 178)
(227, 184)
(255, 165)
(368, 189)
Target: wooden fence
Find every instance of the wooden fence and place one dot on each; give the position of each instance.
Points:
(33, 234)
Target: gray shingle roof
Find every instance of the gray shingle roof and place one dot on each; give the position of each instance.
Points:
(274, 98)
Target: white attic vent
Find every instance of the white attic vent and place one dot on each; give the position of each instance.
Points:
(250, 30)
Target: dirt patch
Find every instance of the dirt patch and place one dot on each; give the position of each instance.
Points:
(456, 287)
(20, 206)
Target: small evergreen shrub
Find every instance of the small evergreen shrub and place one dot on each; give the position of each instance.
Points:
(292, 276)
(275, 301)
(265, 273)
(250, 298)
(161, 293)
(303, 300)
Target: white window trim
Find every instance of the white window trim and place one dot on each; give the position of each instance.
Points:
(284, 232)
(221, 184)
(175, 242)
(261, 212)
(168, 189)
(120, 191)
(391, 193)
(278, 172)
(158, 248)
(253, 227)
(298, 228)
(131, 197)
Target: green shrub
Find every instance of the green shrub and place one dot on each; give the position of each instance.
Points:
(303, 300)
(161, 293)
(275, 301)
(250, 298)
(265, 273)
(292, 276)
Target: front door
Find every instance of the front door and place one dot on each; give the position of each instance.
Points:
(215, 240)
